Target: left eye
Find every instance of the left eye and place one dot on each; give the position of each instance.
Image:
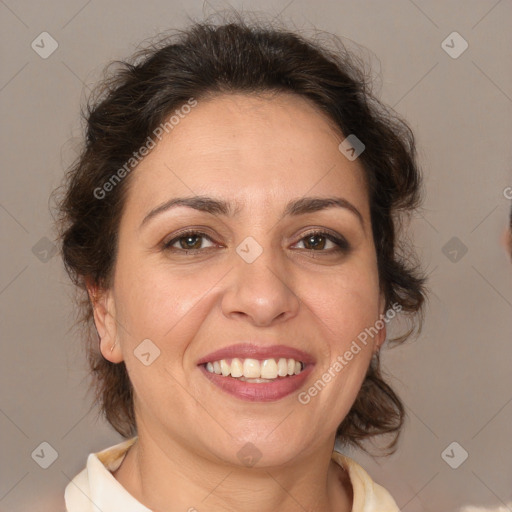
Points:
(188, 241)
(319, 240)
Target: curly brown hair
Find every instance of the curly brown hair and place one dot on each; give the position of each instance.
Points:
(231, 57)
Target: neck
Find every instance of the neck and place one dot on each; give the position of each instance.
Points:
(165, 476)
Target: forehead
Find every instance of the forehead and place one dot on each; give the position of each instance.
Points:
(249, 147)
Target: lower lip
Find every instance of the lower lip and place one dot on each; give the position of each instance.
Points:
(262, 392)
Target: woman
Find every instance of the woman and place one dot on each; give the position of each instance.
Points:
(233, 219)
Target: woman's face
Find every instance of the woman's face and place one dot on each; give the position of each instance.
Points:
(253, 276)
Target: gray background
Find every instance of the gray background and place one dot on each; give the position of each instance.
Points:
(455, 379)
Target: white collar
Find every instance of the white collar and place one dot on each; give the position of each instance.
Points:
(95, 489)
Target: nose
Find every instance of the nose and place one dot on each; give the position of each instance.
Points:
(259, 291)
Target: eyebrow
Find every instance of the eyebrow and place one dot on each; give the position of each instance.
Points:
(218, 207)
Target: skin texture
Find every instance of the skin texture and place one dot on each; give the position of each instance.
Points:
(257, 153)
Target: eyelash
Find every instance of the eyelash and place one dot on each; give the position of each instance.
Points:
(342, 245)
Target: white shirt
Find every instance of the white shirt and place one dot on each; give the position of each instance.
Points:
(96, 490)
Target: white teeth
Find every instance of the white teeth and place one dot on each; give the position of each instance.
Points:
(237, 369)
(253, 370)
(282, 367)
(269, 369)
(226, 369)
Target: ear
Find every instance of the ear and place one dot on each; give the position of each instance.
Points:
(380, 338)
(506, 240)
(105, 320)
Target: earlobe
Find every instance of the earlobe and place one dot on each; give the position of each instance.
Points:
(104, 313)
(381, 338)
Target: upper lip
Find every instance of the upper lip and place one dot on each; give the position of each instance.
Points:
(251, 350)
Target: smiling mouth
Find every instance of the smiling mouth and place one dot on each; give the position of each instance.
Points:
(254, 370)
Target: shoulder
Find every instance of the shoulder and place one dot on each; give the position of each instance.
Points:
(77, 493)
(368, 495)
(95, 487)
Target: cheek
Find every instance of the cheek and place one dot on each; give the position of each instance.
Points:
(167, 308)
(346, 302)
(161, 303)
(345, 312)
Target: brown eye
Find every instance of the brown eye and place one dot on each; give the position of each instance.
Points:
(315, 242)
(190, 241)
(323, 242)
